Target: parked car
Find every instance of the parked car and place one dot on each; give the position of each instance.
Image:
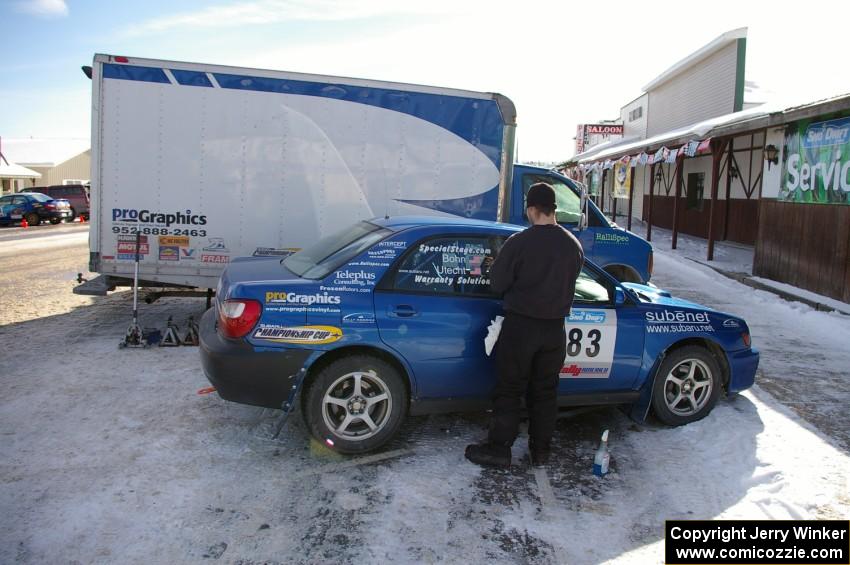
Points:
(387, 318)
(76, 194)
(33, 206)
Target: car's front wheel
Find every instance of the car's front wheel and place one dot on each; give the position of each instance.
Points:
(356, 404)
(33, 219)
(687, 386)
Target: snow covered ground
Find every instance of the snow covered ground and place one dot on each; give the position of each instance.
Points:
(112, 456)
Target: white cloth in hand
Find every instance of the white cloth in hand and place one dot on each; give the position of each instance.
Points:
(493, 334)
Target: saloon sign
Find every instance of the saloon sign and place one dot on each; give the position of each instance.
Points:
(816, 165)
(589, 135)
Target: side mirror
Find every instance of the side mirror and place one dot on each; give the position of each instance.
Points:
(619, 296)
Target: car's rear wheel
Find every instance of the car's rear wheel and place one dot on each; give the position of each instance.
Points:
(687, 386)
(33, 219)
(356, 404)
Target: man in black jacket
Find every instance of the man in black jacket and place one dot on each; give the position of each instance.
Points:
(536, 272)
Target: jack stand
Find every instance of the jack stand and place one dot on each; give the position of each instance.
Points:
(289, 406)
(170, 337)
(191, 337)
(133, 337)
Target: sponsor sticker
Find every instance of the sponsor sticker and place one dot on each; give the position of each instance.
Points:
(582, 372)
(170, 240)
(169, 253)
(301, 335)
(275, 252)
(188, 254)
(612, 238)
(285, 297)
(126, 257)
(393, 244)
(730, 323)
(355, 278)
(208, 258)
(132, 238)
(359, 318)
(128, 247)
(587, 317)
(677, 321)
(216, 244)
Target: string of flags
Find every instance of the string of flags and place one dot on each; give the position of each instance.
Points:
(692, 148)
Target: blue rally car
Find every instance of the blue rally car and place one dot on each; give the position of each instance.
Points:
(387, 318)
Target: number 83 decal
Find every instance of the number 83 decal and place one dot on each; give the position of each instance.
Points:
(591, 337)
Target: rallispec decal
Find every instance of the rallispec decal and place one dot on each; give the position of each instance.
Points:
(284, 297)
(301, 335)
(163, 218)
(730, 323)
(614, 238)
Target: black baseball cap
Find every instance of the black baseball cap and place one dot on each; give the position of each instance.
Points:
(541, 195)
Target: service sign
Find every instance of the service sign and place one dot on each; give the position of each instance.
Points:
(816, 162)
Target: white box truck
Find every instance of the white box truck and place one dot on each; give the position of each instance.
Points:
(210, 162)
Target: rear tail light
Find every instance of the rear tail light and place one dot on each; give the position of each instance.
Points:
(745, 336)
(238, 317)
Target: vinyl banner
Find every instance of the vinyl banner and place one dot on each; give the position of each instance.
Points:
(816, 162)
(622, 180)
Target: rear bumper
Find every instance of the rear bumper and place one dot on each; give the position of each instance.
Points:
(743, 366)
(244, 375)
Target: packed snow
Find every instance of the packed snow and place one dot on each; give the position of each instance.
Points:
(112, 455)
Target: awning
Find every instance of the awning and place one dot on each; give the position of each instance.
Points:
(15, 171)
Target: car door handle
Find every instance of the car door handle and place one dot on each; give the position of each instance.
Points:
(403, 311)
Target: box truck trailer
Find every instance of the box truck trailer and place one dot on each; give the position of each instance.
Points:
(209, 162)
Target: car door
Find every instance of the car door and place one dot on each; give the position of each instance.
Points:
(434, 308)
(604, 339)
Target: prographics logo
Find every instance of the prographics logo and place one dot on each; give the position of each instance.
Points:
(160, 218)
(284, 297)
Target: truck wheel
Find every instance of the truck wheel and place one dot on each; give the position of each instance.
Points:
(33, 219)
(686, 386)
(356, 404)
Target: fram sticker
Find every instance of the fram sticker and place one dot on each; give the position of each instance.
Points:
(302, 335)
(215, 258)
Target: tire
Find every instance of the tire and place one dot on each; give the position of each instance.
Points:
(55, 221)
(33, 219)
(73, 215)
(340, 423)
(686, 386)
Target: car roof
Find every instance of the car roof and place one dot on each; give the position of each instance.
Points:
(399, 223)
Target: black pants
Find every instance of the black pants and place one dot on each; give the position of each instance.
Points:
(529, 356)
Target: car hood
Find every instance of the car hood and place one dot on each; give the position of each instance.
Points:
(663, 297)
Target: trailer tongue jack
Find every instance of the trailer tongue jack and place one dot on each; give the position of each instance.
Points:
(134, 336)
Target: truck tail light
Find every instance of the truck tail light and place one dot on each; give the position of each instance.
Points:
(237, 317)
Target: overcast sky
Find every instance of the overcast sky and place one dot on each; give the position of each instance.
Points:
(562, 63)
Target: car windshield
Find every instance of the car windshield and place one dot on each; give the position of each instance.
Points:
(329, 253)
(567, 202)
(39, 196)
